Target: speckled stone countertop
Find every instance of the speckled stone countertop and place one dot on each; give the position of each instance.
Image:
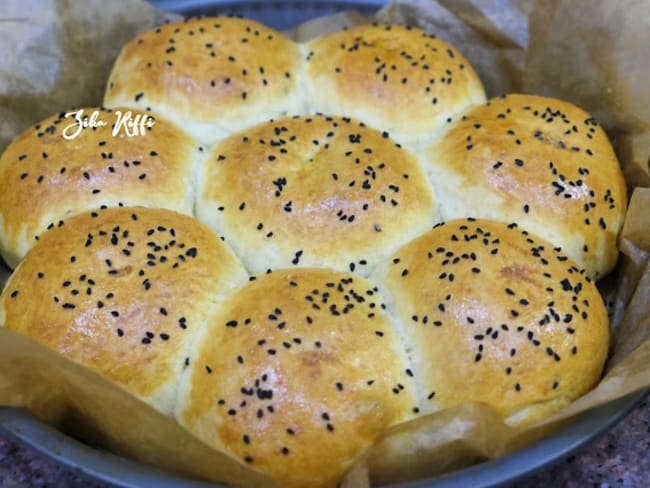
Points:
(621, 458)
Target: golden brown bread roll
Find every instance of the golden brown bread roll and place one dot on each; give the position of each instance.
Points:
(314, 191)
(542, 162)
(46, 177)
(492, 314)
(400, 79)
(296, 375)
(210, 75)
(123, 291)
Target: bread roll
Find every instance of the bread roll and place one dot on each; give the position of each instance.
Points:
(541, 162)
(45, 177)
(314, 191)
(493, 314)
(211, 75)
(123, 291)
(400, 79)
(296, 375)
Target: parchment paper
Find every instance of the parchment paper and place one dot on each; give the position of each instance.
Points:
(57, 55)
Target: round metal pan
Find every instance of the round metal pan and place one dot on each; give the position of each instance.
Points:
(105, 467)
(102, 466)
(279, 14)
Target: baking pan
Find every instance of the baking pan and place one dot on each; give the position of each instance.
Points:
(281, 15)
(102, 466)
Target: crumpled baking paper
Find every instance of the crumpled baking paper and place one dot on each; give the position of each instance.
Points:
(57, 54)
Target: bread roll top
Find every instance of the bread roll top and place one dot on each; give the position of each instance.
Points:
(314, 191)
(123, 291)
(211, 75)
(541, 162)
(296, 375)
(400, 79)
(63, 166)
(494, 314)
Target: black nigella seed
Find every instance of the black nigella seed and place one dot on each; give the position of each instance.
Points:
(602, 223)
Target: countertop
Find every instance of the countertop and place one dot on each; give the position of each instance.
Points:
(621, 458)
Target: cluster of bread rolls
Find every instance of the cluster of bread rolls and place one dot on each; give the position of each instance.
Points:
(305, 244)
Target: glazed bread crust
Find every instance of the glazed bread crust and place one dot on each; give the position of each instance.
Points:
(494, 314)
(123, 291)
(314, 191)
(46, 178)
(401, 79)
(296, 375)
(211, 75)
(541, 162)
